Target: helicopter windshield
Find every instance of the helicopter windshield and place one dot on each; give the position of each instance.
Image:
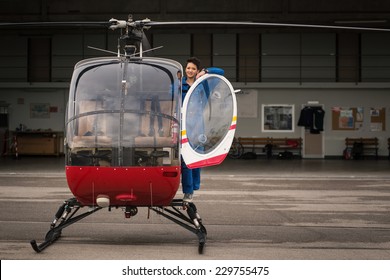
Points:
(124, 113)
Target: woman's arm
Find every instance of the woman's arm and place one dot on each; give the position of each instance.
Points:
(211, 70)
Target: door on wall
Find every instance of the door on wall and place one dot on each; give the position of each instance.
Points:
(312, 121)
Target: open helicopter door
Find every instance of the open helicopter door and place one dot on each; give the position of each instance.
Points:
(209, 115)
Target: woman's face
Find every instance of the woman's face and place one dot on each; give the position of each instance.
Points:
(191, 70)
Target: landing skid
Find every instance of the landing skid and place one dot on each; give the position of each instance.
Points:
(192, 223)
(66, 216)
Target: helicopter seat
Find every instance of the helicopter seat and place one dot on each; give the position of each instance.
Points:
(150, 141)
(91, 128)
(91, 141)
(91, 150)
(154, 132)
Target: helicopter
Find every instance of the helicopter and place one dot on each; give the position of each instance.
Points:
(127, 130)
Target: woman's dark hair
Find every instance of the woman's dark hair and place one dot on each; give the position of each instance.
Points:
(195, 61)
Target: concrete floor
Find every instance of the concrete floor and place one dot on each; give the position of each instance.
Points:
(258, 167)
(252, 209)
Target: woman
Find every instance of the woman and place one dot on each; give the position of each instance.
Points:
(190, 178)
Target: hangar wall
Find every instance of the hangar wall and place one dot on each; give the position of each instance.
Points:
(329, 96)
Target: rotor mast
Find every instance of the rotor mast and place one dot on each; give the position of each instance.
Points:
(134, 34)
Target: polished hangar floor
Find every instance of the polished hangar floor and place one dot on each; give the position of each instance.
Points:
(252, 209)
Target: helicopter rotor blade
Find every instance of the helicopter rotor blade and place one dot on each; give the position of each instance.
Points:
(115, 24)
(57, 24)
(265, 24)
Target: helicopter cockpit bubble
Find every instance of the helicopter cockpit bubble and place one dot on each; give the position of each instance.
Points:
(121, 113)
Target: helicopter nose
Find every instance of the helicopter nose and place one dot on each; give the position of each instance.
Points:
(103, 201)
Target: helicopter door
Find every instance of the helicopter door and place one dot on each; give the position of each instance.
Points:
(209, 116)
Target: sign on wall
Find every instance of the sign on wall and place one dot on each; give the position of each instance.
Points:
(377, 119)
(247, 103)
(278, 118)
(347, 118)
(40, 110)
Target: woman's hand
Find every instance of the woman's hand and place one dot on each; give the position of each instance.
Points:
(201, 73)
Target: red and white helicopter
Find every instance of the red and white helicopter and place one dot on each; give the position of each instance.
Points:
(127, 129)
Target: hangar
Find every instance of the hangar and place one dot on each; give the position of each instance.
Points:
(298, 209)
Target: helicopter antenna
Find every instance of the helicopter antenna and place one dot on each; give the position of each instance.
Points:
(111, 52)
(150, 50)
(102, 50)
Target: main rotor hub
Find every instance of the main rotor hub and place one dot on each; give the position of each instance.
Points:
(134, 33)
(123, 24)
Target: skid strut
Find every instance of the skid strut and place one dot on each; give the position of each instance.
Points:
(64, 217)
(192, 223)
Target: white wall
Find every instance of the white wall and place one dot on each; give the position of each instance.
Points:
(329, 95)
(20, 113)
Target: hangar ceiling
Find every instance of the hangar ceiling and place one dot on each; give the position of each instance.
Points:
(347, 12)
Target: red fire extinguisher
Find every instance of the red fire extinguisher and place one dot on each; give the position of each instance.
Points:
(175, 129)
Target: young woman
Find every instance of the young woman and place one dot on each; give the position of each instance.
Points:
(190, 179)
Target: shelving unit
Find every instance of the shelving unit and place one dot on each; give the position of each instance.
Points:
(38, 142)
